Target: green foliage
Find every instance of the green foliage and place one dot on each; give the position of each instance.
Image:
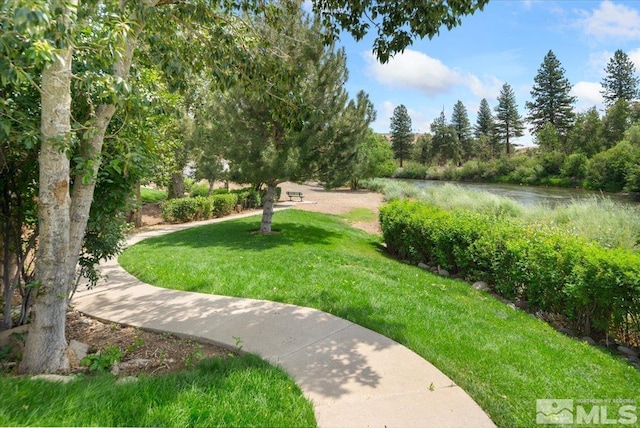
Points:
(550, 268)
(152, 196)
(373, 158)
(620, 81)
(508, 123)
(575, 167)
(103, 360)
(552, 104)
(396, 24)
(401, 134)
(199, 189)
(608, 170)
(491, 351)
(184, 210)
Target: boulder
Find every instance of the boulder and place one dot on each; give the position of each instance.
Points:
(627, 351)
(480, 285)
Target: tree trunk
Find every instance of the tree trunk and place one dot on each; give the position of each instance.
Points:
(176, 186)
(267, 209)
(63, 217)
(46, 345)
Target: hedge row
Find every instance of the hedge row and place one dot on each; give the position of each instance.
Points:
(595, 287)
(183, 210)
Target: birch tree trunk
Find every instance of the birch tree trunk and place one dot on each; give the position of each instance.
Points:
(63, 217)
(267, 209)
(46, 345)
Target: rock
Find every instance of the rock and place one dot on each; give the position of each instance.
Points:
(423, 266)
(434, 269)
(6, 335)
(627, 351)
(77, 351)
(53, 378)
(567, 331)
(480, 285)
(443, 272)
(512, 305)
(131, 364)
(522, 304)
(589, 340)
(126, 379)
(636, 365)
(633, 359)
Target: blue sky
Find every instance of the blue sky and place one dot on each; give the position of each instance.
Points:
(505, 43)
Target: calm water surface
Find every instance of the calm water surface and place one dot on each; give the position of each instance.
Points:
(529, 195)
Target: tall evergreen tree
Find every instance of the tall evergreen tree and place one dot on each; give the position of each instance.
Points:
(620, 81)
(508, 121)
(297, 123)
(462, 125)
(445, 145)
(551, 102)
(485, 130)
(401, 135)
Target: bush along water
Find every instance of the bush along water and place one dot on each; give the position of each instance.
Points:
(596, 288)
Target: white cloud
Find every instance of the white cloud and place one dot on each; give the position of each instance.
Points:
(611, 20)
(598, 61)
(488, 88)
(634, 56)
(414, 70)
(588, 94)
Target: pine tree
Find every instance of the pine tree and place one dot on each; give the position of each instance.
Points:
(460, 121)
(401, 136)
(508, 121)
(620, 81)
(551, 102)
(445, 145)
(485, 130)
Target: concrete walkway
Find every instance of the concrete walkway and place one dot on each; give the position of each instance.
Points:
(354, 376)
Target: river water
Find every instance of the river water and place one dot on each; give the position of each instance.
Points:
(530, 195)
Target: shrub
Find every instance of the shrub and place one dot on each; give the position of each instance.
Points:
(199, 208)
(199, 189)
(180, 210)
(607, 170)
(223, 205)
(575, 167)
(595, 287)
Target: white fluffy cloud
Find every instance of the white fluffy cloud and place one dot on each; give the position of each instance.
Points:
(416, 70)
(611, 20)
(588, 94)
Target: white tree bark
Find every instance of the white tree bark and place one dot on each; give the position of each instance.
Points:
(46, 345)
(63, 217)
(267, 209)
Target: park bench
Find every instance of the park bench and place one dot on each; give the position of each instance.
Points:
(292, 195)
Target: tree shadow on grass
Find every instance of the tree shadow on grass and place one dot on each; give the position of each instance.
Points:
(236, 235)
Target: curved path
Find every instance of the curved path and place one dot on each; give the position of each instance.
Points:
(355, 377)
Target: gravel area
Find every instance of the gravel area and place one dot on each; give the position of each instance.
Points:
(335, 201)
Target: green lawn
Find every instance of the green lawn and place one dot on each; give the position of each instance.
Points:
(236, 391)
(152, 196)
(504, 358)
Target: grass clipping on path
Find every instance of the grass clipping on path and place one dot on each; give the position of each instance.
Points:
(504, 358)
